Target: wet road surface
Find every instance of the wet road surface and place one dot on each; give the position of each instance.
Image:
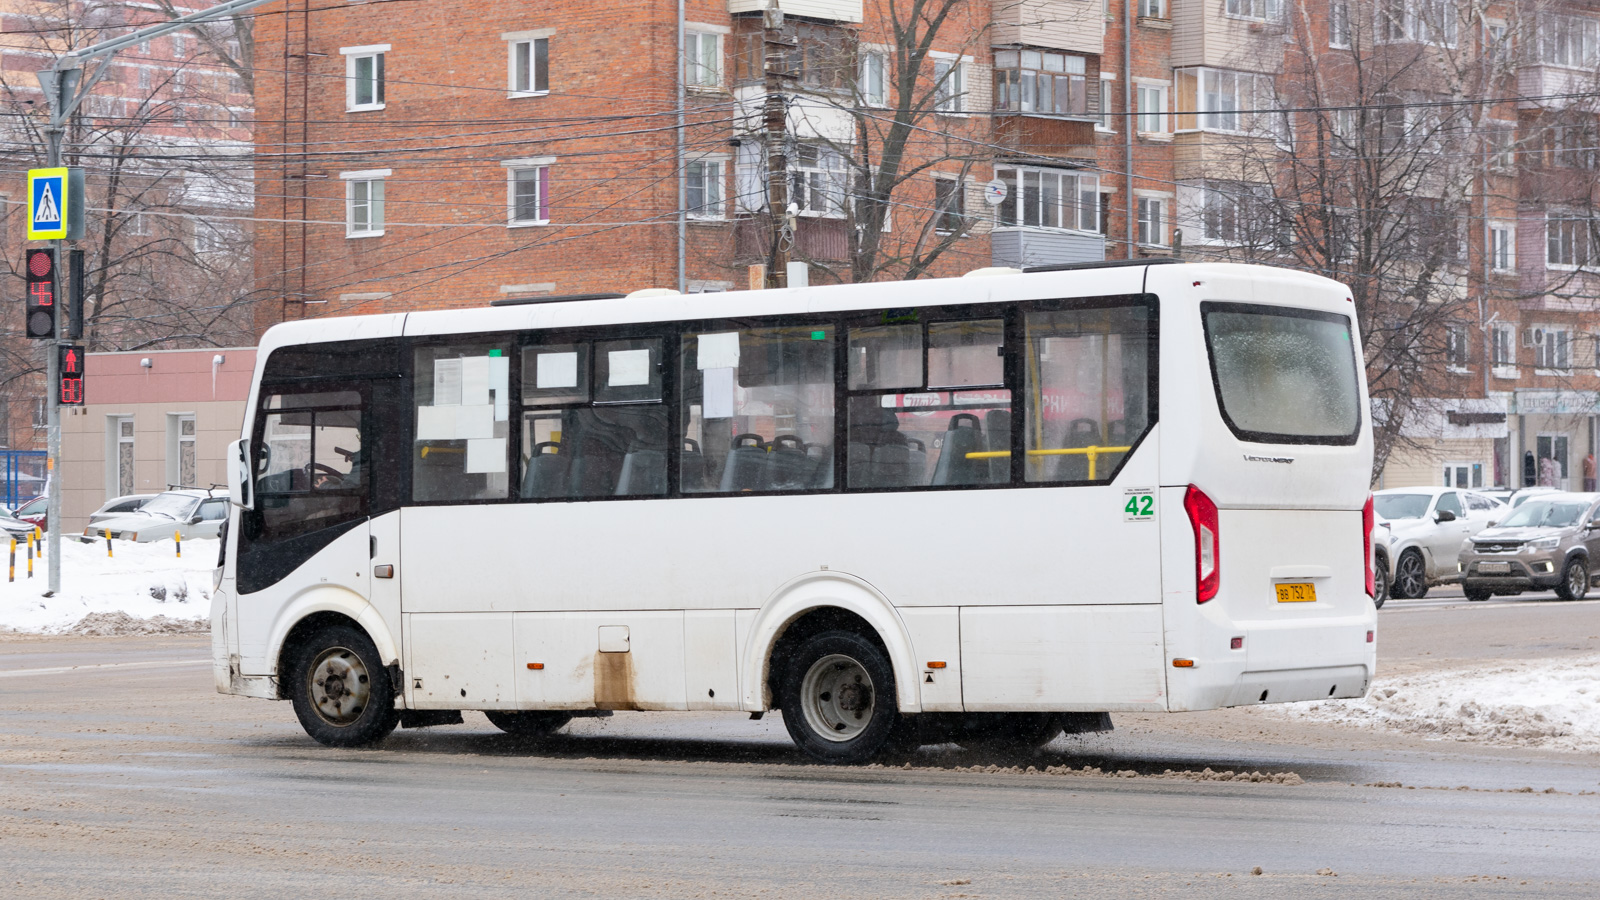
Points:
(123, 774)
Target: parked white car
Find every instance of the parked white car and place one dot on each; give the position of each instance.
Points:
(191, 512)
(1422, 530)
(119, 506)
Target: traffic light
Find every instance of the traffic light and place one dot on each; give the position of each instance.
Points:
(69, 387)
(41, 321)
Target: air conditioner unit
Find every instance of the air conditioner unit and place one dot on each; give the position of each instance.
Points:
(1533, 337)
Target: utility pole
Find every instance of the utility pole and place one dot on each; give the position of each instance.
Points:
(65, 87)
(776, 115)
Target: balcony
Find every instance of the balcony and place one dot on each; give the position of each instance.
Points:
(1045, 135)
(1203, 36)
(1555, 185)
(827, 10)
(815, 238)
(1019, 247)
(1546, 87)
(1056, 24)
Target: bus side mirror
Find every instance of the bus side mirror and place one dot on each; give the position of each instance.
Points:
(240, 475)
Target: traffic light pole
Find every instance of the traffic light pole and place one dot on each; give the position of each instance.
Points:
(60, 84)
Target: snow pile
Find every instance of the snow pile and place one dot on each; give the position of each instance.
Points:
(112, 596)
(1550, 704)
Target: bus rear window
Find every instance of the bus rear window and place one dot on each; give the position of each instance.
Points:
(1284, 376)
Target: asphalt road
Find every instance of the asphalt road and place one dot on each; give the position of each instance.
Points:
(122, 774)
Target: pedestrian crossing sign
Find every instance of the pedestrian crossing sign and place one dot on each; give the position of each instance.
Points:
(48, 204)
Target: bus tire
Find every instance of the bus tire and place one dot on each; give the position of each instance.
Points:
(838, 698)
(531, 723)
(1410, 576)
(341, 689)
(1009, 732)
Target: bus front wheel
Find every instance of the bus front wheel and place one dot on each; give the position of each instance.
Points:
(838, 698)
(341, 689)
(528, 723)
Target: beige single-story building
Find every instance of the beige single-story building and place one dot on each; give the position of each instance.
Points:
(153, 419)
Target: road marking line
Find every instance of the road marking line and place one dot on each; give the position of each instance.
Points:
(148, 664)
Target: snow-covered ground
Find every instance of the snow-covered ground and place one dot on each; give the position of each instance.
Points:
(141, 581)
(1550, 704)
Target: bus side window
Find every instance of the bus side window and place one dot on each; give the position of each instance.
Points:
(594, 423)
(949, 422)
(463, 417)
(310, 471)
(758, 410)
(1088, 391)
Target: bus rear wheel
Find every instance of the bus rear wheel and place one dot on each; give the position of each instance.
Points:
(838, 698)
(341, 690)
(528, 723)
(1008, 732)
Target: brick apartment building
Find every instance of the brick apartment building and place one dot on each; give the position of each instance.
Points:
(1439, 157)
(164, 139)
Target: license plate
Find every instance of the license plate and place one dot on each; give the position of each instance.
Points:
(1494, 568)
(1299, 592)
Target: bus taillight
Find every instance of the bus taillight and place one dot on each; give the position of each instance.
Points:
(1203, 516)
(1366, 546)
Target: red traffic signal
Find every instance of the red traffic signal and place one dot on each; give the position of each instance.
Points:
(41, 307)
(69, 375)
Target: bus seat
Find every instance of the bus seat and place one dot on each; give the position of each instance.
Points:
(546, 472)
(788, 467)
(597, 446)
(964, 435)
(644, 467)
(746, 465)
(916, 461)
(879, 456)
(997, 428)
(1075, 466)
(692, 466)
(822, 465)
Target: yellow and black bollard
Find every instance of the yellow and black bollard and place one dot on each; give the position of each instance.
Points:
(177, 542)
(107, 532)
(30, 555)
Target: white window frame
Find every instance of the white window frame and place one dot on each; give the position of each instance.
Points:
(175, 441)
(696, 75)
(1400, 21)
(1162, 203)
(1086, 182)
(1457, 347)
(960, 212)
(1503, 349)
(367, 177)
(713, 210)
(1582, 225)
(537, 164)
(1568, 41)
(1107, 120)
(1553, 355)
(950, 93)
(1253, 10)
(351, 56)
(531, 40)
(1161, 90)
(832, 169)
(1502, 246)
(1152, 9)
(1339, 25)
(1253, 111)
(876, 96)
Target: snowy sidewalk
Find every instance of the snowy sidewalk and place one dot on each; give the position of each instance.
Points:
(1547, 704)
(140, 581)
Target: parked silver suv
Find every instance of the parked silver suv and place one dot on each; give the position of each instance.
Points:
(1550, 541)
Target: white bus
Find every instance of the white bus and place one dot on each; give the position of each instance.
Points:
(981, 509)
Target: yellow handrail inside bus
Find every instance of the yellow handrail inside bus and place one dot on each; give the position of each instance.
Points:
(1092, 452)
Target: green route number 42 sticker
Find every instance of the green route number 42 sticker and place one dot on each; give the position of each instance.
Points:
(1139, 505)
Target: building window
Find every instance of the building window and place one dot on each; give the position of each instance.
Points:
(1152, 109)
(1573, 145)
(950, 89)
(874, 85)
(1108, 83)
(1036, 81)
(121, 457)
(529, 67)
(949, 205)
(363, 194)
(529, 187)
(1049, 198)
(1152, 221)
(1262, 10)
(182, 468)
(1230, 212)
(1502, 138)
(207, 239)
(1551, 348)
(1569, 41)
(818, 181)
(1569, 240)
(144, 78)
(1423, 21)
(1152, 9)
(1504, 344)
(1339, 24)
(1457, 345)
(702, 64)
(1502, 246)
(704, 189)
(1221, 100)
(364, 77)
